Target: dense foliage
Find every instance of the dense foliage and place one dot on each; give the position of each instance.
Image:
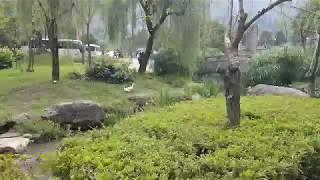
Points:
(6, 58)
(108, 73)
(278, 66)
(277, 140)
(9, 169)
(169, 62)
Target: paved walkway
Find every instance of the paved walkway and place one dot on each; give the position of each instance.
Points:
(135, 65)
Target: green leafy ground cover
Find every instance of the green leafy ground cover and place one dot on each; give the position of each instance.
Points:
(278, 139)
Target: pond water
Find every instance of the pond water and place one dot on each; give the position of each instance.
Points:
(32, 166)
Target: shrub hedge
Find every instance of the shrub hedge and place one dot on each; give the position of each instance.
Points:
(108, 73)
(168, 62)
(6, 58)
(9, 170)
(278, 139)
(278, 66)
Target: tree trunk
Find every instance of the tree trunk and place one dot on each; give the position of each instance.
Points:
(144, 62)
(31, 57)
(232, 76)
(313, 86)
(54, 46)
(82, 54)
(88, 43)
(302, 37)
(314, 69)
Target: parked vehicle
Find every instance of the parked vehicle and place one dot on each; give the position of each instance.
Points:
(69, 47)
(94, 49)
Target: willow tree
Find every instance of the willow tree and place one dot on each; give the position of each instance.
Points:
(117, 21)
(133, 23)
(156, 13)
(86, 10)
(187, 33)
(52, 10)
(311, 15)
(231, 72)
(28, 20)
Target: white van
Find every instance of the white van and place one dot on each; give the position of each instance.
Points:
(70, 48)
(95, 50)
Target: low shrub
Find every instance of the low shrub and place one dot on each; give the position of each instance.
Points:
(9, 169)
(19, 56)
(176, 81)
(168, 98)
(76, 75)
(108, 73)
(277, 140)
(164, 98)
(6, 58)
(207, 89)
(168, 62)
(42, 130)
(278, 66)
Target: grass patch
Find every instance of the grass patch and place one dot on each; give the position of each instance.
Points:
(23, 92)
(190, 141)
(43, 131)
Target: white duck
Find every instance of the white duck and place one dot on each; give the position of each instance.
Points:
(129, 89)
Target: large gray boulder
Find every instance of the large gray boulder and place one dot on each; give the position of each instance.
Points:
(268, 90)
(82, 115)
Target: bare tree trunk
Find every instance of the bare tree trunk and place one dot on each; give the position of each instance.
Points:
(82, 54)
(147, 54)
(231, 76)
(31, 57)
(54, 46)
(88, 43)
(230, 19)
(231, 72)
(302, 36)
(314, 68)
(232, 94)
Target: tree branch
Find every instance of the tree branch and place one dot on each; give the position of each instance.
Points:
(264, 11)
(230, 20)
(148, 16)
(67, 10)
(43, 10)
(305, 10)
(165, 14)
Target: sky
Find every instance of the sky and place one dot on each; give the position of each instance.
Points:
(270, 21)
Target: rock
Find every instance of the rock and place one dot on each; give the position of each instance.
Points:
(13, 121)
(142, 99)
(264, 90)
(7, 126)
(13, 145)
(79, 114)
(10, 135)
(196, 96)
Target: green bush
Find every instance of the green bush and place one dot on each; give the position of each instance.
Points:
(9, 169)
(108, 73)
(76, 75)
(278, 66)
(19, 55)
(168, 62)
(6, 58)
(207, 89)
(277, 140)
(44, 130)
